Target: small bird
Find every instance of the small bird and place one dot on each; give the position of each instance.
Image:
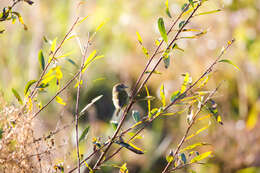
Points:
(120, 97)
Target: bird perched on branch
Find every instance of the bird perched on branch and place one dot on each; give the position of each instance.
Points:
(120, 97)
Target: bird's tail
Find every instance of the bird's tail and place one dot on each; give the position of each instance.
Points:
(117, 111)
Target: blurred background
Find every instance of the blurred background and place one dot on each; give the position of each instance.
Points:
(236, 144)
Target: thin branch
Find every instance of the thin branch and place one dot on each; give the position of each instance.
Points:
(52, 58)
(188, 129)
(135, 92)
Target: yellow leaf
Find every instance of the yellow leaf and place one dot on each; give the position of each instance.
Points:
(197, 132)
(163, 99)
(139, 38)
(123, 168)
(253, 116)
(78, 83)
(60, 101)
(201, 157)
(90, 170)
(148, 101)
(90, 58)
(29, 104)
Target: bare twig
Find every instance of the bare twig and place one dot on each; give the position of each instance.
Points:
(136, 91)
(77, 103)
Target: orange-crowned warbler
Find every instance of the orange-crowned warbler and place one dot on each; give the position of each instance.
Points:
(120, 97)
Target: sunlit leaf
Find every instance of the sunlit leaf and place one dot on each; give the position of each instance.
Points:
(154, 72)
(90, 104)
(196, 35)
(167, 9)
(136, 115)
(60, 100)
(17, 96)
(203, 81)
(20, 19)
(145, 51)
(78, 83)
(214, 110)
(89, 168)
(208, 12)
(175, 95)
(198, 132)
(82, 20)
(90, 58)
(131, 147)
(65, 55)
(2, 31)
(53, 45)
(28, 85)
(101, 25)
(123, 168)
(114, 124)
(139, 38)
(58, 74)
(29, 104)
(148, 102)
(200, 157)
(190, 147)
(84, 133)
(175, 46)
(162, 30)
(170, 157)
(253, 115)
(162, 95)
(229, 62)
(185, 82)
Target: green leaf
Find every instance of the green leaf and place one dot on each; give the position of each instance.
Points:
(72, 62)
(41, 59)
(166, 58)
(175, 95)
(229, 62)
(162, 30)
(208, 12)
(114, 124)
(175, 46)
(200, 157)
(84, 133)
(28, 85)
(17, 96)
(162, 94)
(1, 133)
(183, 158)
(167, 9)
(136, 115)
(184, 7)
(181, 24)
(191, 2)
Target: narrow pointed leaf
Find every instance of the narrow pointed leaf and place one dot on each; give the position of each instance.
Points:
(229, 62)
(208, 12)
(200, 157)
(175, 95)
(84, 133)
(162, 94)
(162, 30)
(190, 147)
(60, 100)
(136, 115)
(183, 158)
(167, 9)
(28, 85)
(17, 96)
(41, 59)
(148, 102)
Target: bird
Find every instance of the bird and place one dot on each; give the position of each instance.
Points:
(120, 97)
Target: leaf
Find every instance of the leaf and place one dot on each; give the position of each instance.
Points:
(203, 81)
(65, 55)
(170, 157)
(175, 46)
(139, 38)
(162, 94)
(60, 100)
(17, 96)
(84, 133)
(162, 30)
(190, 115)
(78, 83)
(175, 96)
(198, 132)
(229, 62)
(166, 58)
(72, 62)
(82, 20)
(58, 74)
(154, 72)
(214, 110)
(114, 124)
(53, 44)
(190, 147)
(208, 12)
(183, 158)
(200, 157)
(148, 102)
(41, 59)
(20, 19)
(2, 31)
(123, 168)
(29, 2)
(90, 58)
(167, 9)
(136, 115)
(90, 169)
(28, 85)
(145, 51)
(185, 82)
(191, 2)
(131, 147)
(184, 7)
(100, 26)
(181, 24)
(1, 133)
(90, 104)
